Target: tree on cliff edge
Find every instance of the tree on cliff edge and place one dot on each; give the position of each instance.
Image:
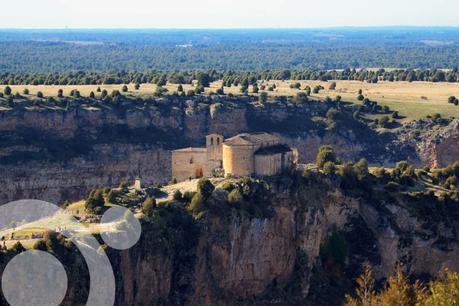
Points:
(205, 188)
(7, 91)
(326, 154)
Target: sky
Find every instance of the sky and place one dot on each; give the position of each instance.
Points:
(226, 14)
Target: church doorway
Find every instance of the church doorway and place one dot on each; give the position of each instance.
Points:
(199, 173)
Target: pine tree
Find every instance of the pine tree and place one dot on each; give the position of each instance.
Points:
(365, 292)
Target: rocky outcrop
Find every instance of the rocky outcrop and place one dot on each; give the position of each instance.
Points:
(241, 259)
(436, 145)
(107, 166)
(58, 152)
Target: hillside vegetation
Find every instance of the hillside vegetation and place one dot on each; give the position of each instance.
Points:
(213, 222)
(412, 100)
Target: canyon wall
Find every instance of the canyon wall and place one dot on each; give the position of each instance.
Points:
(237, 260)
(108, 167)
(117, 144)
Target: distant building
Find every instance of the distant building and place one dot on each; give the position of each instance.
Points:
(259, 154)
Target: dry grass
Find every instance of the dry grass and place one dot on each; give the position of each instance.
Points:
(413, 100)
(85, 90)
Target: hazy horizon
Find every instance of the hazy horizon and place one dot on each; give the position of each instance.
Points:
(240, 14)
(393, 27)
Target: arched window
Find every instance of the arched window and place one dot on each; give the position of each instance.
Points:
(218, 141)
(191, 160)
(211, 141)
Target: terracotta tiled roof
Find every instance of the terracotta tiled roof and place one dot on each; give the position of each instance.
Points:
(251, 139)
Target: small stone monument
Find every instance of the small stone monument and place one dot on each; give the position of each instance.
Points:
(138, 184)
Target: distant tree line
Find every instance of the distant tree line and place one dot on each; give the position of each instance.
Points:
(229, 78)
(51, 56)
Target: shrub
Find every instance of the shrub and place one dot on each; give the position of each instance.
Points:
(124, 88)
(402, 165)
(111, 197)
(301, 97)
(96, 199)
(199, 89)
(25, 91)
(380, 173)
(332, 86)
(349, 178)
(203, 79)
(115, 93)
(18, 248)
(137, 86)
(221, 91)
(450, 181)
(149, 206)
(205, 188)
(188, 196)
(41, 245)
(263, 97)
(384, 121)
(329, 168)
(7, 91)
(361, 169)
(228, 186)
(178, 196)
(39, 94)
(235, 197)
(452, 99)
(197, 204)
(326, 154)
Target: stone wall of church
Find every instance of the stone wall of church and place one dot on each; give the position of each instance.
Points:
(186, 164)
(267, 165)
(238, 160)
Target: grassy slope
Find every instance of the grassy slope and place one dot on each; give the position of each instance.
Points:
(413, 100)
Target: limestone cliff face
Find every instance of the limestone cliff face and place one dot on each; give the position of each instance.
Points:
(241, 259)
(434, 145)
(66, 123)
(107, 166)
(446, 150)
(114, 142)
